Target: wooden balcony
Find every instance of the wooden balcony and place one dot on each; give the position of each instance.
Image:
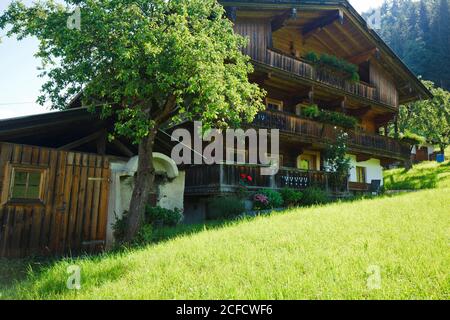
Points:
(305, 70)
(223, 178)
(316, 132)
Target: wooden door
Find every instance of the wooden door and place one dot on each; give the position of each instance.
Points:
(70, 215)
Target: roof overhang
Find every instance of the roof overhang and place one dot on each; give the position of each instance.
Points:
(412, 89)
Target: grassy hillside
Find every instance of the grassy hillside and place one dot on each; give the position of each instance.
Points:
(426, 175)
(310, 253)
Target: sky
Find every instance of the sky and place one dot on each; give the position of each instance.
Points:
(19, 81)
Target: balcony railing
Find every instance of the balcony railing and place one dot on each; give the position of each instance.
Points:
(219, 178)
(319, 131)
(303, 69)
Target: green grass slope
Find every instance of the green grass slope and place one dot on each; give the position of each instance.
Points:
(324, 252)
(426, 175)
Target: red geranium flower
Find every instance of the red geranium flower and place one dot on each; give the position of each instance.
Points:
(243, 176)
(249, 178)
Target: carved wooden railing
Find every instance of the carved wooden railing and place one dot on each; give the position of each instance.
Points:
(217, 178)
(299, 67)
(320, 131)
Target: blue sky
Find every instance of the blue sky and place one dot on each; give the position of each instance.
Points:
(19, 81)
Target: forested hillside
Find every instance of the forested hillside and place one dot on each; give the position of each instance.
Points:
(419, 33)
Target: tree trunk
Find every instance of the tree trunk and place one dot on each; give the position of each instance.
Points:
(143, 186)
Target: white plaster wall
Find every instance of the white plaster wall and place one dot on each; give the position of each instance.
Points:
(374, 170)
(171, 194)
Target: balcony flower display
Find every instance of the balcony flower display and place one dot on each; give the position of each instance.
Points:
(260, 201)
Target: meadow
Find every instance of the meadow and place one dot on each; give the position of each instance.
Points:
(392, 247)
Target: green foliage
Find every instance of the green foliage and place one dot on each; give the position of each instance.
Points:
(428, 118)
(337, 119)
(163, 216)
(143, 63)
(313, 196)
(291, 197)
(225, 207)
(274, 197)
(413, 138)
(119, 227)
(426, 175)
(332, 245)
(335, 63)
(338, 163)
(144, 235)
(331, 117)
(312, 111)
(419, 33)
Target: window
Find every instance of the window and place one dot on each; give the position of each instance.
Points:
(307, 162)
(26, 184)
(274, 105)
(361, 174)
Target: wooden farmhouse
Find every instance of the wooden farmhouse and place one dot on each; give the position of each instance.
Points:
(62, 183)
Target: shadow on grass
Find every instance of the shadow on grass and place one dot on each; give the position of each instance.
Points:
(418, 178)
(48, 276)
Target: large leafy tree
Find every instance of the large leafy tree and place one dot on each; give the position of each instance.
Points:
(142, 63)
(428, 118)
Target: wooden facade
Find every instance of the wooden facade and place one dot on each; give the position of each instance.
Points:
(280, 35)
(70, 213)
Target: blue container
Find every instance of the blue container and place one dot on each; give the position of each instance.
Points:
(440, 158)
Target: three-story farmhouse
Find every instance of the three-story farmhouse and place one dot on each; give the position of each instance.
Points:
(63, 183)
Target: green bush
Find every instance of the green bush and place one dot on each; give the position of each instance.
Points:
(314, 195)
(144, 235)
(337, 119)
(120, 227)
(274, 197)
(331, 117)
(225, 207)
(333, 62)
(312, 111)
(167, 217)
(291, 197)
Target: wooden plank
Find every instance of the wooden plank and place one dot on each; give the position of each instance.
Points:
(49, 201)
(66, 201)
(87, 236)
(81, 203)
(104, 197)
(96, 199)
(74, 202)
(58, 204)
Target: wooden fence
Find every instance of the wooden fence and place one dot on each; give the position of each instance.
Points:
(69, 215)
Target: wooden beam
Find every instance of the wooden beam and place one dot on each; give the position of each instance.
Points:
(362, 157)
(316, 26)
(361, 112)
(84, 140)
(122, 148)
(281, 20)
(337, 43)
(363, 56)
(347, 36)
(384, 118)
(324, 44)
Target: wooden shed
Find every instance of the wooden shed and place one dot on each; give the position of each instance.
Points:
(52, 201)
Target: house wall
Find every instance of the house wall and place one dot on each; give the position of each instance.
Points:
(170, 189)
(374, 170)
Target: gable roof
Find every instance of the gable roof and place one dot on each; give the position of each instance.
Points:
(415, 91)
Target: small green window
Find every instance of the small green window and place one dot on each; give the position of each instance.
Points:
(26, 184)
